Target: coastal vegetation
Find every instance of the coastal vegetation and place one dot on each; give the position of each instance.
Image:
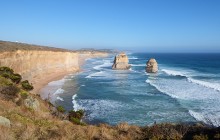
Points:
(61, 109)
(76, 117)
(26, 85)
(9, 73)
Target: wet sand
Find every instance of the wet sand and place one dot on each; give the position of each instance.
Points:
(39, 83)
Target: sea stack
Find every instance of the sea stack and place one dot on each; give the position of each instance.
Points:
(151, 66)
(121, 62)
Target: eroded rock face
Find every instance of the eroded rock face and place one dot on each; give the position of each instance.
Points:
(121, 62)
(152, 66)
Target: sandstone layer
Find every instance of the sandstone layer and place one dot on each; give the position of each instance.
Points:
(121, 62)
(152, 66)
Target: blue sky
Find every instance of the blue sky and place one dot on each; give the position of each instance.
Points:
(140, 25)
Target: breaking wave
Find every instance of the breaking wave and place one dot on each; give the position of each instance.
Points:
(76, 106)
(132, 58)
(206, 84)
(59, 98)
(207, 118)
(107, 63)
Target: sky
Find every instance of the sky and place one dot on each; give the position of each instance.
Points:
(137, 25)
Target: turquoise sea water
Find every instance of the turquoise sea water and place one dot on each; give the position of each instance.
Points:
(186, 89)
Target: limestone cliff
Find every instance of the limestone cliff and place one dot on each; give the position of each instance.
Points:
(35, 65)
(41, 64)
(121, 62)
(151, 66)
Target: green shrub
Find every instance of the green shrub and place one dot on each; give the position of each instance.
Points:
(9, 73)
(6, 70)
(61, 109)
(26, 85)
(16, 78)
(5, 82)
(6, 75)
(11, 90)
(75, 120)
(76, 114)
(24, 94)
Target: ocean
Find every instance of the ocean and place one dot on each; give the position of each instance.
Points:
(186, 89)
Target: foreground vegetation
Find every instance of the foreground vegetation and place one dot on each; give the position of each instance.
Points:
(33, 118)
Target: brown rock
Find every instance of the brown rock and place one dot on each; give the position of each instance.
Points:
(151, 66)
(121, 62)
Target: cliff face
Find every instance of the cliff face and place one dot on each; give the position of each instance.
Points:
(36, 65)
(121, 62)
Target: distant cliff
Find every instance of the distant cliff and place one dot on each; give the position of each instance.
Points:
(38, 64)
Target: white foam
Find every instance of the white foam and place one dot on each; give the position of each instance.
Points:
(132, 58)
(160, 89)
(57, 83)
(59, 98)
(214, 86)
(197, 116)
(87, 59)
(100, 108)
(206, 84)
(182, 89)
(96, 74)
(192, 95)
(173, 73)
(133, 70)
(106, 63)
(206, 118)
(59, 91)
(76, 106)
(138, 65)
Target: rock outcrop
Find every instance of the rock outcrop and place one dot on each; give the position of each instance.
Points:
(121, 62)
(152, 66)
(5, 122)
(32, 103)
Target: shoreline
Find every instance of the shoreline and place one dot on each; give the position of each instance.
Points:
(40, 83)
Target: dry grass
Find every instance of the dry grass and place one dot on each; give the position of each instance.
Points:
(14, 46)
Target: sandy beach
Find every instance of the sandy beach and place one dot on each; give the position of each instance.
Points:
(39, 83)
